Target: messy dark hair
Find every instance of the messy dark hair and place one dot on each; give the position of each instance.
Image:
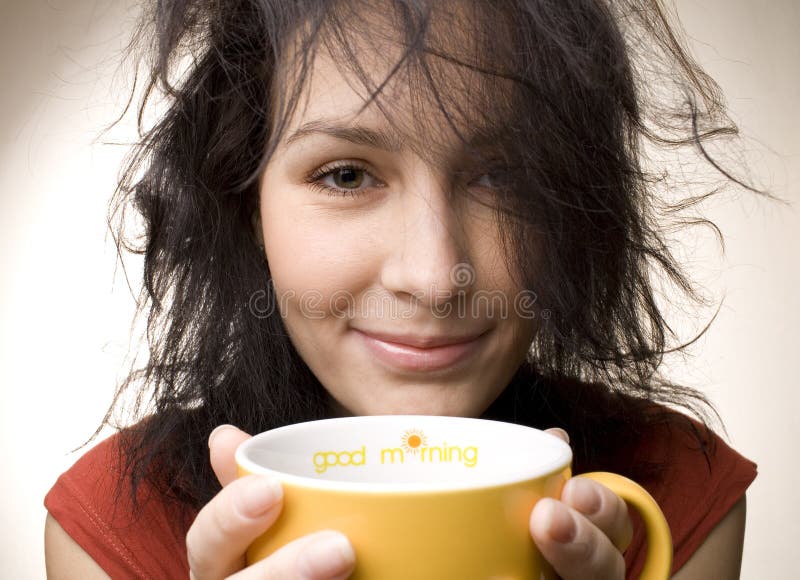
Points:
(568, 100)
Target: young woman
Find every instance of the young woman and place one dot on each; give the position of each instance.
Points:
(402, 206)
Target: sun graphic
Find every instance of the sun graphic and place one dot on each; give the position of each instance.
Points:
(413, 439)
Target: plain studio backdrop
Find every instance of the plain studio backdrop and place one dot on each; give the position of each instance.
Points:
(66, 309)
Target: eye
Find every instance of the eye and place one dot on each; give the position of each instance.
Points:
(494, 179)
(345, 178)
(486, 180)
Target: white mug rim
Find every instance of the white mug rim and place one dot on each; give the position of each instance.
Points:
(532, 471)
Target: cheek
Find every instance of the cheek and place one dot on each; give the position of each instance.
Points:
(491, 262)
(313, 255)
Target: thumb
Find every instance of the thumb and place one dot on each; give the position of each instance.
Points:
(222, 444)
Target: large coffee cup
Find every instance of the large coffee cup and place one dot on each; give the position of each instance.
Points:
(428, 497)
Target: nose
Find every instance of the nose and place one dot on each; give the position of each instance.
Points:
(428, 254)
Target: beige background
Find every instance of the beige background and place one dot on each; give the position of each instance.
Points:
(65, 313)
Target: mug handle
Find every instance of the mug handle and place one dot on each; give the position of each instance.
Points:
(658, 561)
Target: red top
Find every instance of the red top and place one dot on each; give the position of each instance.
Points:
(694, 493)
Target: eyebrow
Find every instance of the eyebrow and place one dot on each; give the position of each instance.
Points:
(359, 135)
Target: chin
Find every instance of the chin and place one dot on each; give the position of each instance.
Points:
(455, 400)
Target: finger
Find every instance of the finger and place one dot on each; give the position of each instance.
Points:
(227, 524)
(324, 555)
(575, 547)
(222, 444)
(602, 507)
(558, 432)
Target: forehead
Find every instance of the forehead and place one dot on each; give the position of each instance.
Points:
(422, 88)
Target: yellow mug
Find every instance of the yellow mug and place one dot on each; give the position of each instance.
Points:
(428, 497)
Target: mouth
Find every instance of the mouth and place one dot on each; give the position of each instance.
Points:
(439, 353)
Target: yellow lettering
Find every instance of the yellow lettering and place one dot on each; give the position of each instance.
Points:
(450, 454)
(391, 452)
(325, 459)
(470, 456)
(331, 458)
(319, 462)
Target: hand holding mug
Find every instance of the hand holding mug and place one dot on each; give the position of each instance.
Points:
(242, 511)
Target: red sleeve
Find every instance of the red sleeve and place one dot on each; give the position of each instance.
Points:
(695, 492)
(124, 542)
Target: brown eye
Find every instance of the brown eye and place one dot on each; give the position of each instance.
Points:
(345, 179)
(348, 177)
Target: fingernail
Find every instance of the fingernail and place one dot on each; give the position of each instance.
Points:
(582, 496)
(328, 556)
(564, 434)
(561, 525)
(218, 430)
(258, 496)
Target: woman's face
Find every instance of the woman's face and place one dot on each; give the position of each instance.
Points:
(395, 294)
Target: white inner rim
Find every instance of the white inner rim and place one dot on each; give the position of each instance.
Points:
(410, 453)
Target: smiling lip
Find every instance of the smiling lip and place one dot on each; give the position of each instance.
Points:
(414, 353)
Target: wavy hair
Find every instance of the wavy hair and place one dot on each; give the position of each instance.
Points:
(572, 103)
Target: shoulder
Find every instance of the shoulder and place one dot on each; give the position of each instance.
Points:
(65, 558)
(698, 480)
(694, 460)
(92, 503)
